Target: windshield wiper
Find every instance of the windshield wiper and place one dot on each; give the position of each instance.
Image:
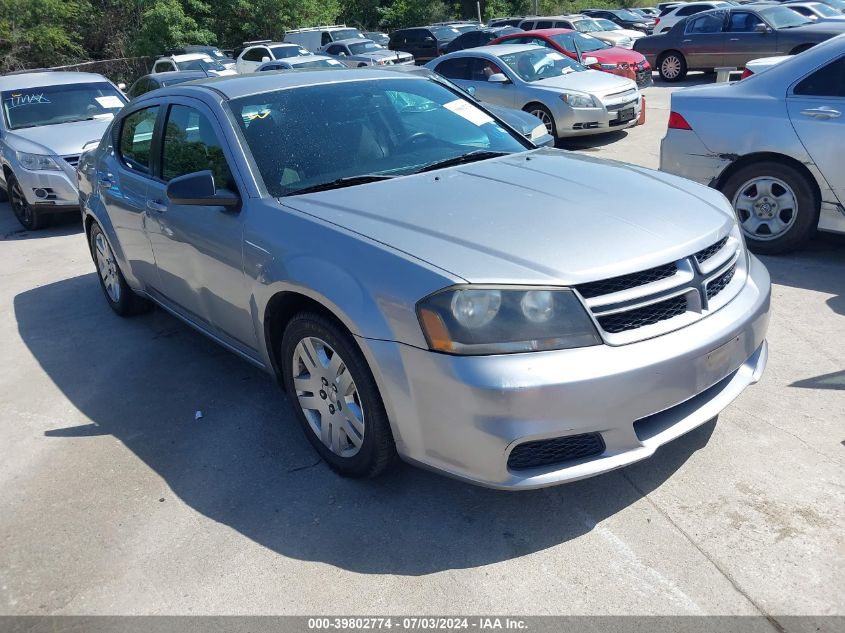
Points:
(470, 157)
(349, 181)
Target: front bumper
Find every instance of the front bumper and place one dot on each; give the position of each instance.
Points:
(464, 415)
(51, 191)
(584, 121)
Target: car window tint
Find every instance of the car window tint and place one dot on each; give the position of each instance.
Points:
(335, 50)
(483, 69)
(743, 22)
(455, 68)
(825, 82)
(544, 24)
(684, 11)
(539, 41)
(136, 137)
(255, 54)
(527, 26)
(706, 24)
(191, 145)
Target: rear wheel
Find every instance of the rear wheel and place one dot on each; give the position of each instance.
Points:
(672, 66)
(775, 205)
(542, 112)
(30, 218)
(119, 295)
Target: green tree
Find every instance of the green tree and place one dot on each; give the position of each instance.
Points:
(165, 24)
(39, 33)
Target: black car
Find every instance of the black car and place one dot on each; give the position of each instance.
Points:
(148, 83)
(624, 18)
(424, 42)
(479, 37)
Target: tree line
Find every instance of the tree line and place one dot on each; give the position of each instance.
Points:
(44, 33)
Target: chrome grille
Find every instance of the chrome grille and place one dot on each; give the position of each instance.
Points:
(555, 451)
(640, 317)
(706, 253)
(624, 282)
(718, 284)
(622, 106)
(631, 92)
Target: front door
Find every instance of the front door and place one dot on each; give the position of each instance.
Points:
(198, 248)
(480, 71)
(816, 107)
(704, 41)
(745, 42)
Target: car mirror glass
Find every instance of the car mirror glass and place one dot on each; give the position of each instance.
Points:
(265, 59)
(498, 78)
(589, 61)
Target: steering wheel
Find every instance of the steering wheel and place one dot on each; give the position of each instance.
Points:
(415, 139)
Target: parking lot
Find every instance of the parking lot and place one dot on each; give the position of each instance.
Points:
(116, 499)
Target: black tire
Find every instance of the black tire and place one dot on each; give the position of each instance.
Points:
(536, 109)
(665, 63)
(4, 195)
(127, 303)
(30, 218)
(377, 451)
(806, 215)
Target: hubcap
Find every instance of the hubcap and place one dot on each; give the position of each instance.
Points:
(545, 118)
(107, 267)
(19, 204)
(671, 67)
(328, 396)
(766, 207)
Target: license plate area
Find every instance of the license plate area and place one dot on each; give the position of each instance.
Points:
(626, 115)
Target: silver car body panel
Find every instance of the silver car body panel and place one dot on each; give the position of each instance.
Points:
(761, 115)
(374, 57)
(368, 262)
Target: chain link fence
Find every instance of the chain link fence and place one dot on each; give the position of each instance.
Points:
(121, 70)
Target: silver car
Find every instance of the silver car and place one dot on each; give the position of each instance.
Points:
(48, 119)
(569, 98)
(424, 282)
(772, 143)
(357, 53)
(300, 63)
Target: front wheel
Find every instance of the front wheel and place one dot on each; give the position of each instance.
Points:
(775, 206)
(542, 112)
(30, 218)
(672, 66)
(121, 298)
(335, 397)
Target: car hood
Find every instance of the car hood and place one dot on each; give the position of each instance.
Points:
(614, 54)
(820, 29)
(385, 54)
(541, 217)
(592, 81)
(63, 139)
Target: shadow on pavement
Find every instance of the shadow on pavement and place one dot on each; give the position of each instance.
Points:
(246, 464)
(60, 225)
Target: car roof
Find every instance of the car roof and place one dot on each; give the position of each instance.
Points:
(24, 81)
(500, 49)
(541, 32)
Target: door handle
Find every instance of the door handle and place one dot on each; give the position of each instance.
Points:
(687, 41)
(155, 205)
(734, 39)
(822, 113)
(105, 181)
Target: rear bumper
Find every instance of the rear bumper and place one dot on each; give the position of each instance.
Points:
(463, 416)
(683, 154)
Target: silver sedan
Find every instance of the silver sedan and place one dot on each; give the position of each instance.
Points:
(772, 143)
(424, 282)
(358, 52)
(569, 98)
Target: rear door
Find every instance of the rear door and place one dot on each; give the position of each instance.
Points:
(480, 70)
(816, 106)
(744, 42)
(703, 41)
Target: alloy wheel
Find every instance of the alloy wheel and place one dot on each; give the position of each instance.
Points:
(670, 67)
(766, 207)
(20, 207)
(545, 118)
(107, 267)
(328, 396)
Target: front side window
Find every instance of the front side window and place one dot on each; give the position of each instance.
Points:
(706, 24)
(743, 22)
(455, 68)
(536, 65)
(309, 136)
(136, 138)
(191, 145)
(483, 69)
(51, 105)
(335, 49)
(256, 55)
(828, 81)
(360, 48)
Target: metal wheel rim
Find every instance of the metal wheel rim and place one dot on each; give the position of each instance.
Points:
(20, 206)
(107, 267)
(545, 118)
(328, 396)
(766, 207)
(670, 67)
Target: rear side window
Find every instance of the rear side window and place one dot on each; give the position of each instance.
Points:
(527, 25)
(544, 24)
(455, 68)
(255, 54)
(191, 145)
(710, 23)
(136, 137)
(825, 82)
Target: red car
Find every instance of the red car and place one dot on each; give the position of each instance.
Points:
(610, 59)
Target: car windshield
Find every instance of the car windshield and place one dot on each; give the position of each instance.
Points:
(540, 63)
(783, 18)
(359, 48)
(50, 105)
(314, 136)
(586, 43)
(317, 63)
(607, 25)
(826, 10)
(280, 52)
(445, 33)
(628, 16)
(200, 64)
(214, 53)
(836, 4)
(588, 26)
(378, 38)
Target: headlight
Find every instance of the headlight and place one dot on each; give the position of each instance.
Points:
(539, 132)
(488, 320)
(578, 99)
(37, 162)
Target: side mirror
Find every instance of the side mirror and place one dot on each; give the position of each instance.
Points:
(762, 28)
(589, 61)
(121, 86)
(265, 59)
(498, 78)
(428, 39)
(198, 189)
(342, 54)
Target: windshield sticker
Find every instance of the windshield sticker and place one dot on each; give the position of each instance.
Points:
(109, 101)
(18, 100)
(469, 112)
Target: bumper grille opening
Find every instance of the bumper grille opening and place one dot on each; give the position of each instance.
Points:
(706, 253)
(624, 282)
(73, 161)
(555, 451)
(640, 317)
(717, 285)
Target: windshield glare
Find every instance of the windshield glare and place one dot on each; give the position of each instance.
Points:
(445, 33)
(200, 64)
(781, 17)
(586, 43)
(280, 52)
(607, 25)
(317, 63)
(50, 105)
(311, 135)
(826, 10)
(627, 15)
(587, 26)
(346, 34)
(540, 64)
(364, 47)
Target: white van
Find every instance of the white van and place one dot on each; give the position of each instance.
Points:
(316, 37)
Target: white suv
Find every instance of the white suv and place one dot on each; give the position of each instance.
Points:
(672, 16)
(191, 61)
(252, 56)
